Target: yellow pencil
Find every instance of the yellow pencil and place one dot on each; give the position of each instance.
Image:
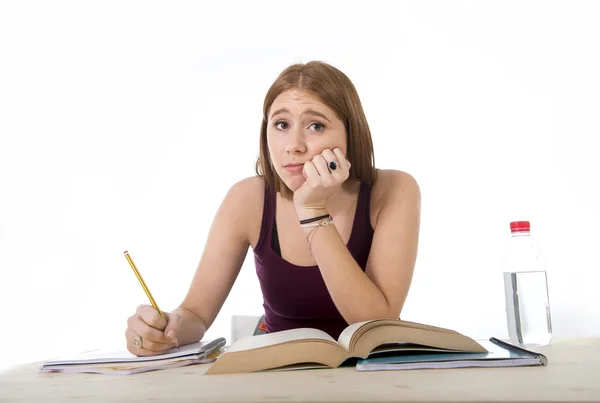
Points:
(139, 276)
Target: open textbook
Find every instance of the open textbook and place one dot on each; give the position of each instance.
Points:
(309, 348)
(123, 362)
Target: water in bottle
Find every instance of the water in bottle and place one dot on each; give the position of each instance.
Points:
(526, 289)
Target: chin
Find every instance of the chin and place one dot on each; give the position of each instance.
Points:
(295, 183)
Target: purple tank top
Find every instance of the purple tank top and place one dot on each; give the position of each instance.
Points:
(296, 296)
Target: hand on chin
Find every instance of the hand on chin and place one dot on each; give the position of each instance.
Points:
(319, 180)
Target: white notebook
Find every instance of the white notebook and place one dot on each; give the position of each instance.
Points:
(123, 362)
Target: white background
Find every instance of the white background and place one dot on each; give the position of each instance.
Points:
(124, 123)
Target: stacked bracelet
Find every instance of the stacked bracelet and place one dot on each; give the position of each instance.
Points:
(316, 226)
(309, 220)
(323, 223)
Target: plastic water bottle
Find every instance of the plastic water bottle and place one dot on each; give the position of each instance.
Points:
(526, 289)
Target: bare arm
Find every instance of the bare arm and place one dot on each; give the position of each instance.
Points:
(224, 253)
(379, 291)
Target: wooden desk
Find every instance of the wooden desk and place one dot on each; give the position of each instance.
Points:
(572, 374)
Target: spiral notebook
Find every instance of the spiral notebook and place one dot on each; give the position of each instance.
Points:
(125, 363)
(499, 354)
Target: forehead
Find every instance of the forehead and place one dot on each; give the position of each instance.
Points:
(296, 100)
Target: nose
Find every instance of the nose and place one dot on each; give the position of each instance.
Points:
(296, 143)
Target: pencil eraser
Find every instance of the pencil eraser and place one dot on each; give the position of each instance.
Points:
(125, 252)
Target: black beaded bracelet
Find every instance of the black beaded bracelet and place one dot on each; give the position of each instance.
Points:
(314, 219)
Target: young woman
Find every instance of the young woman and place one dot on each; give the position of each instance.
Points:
(334, 239)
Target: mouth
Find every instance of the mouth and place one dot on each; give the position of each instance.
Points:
(294, 167)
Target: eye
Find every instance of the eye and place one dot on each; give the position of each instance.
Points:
(319, 127)
(281, 125)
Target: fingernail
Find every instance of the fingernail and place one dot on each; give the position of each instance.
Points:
(171, 334)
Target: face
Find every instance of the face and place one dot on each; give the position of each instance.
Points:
(300, 126)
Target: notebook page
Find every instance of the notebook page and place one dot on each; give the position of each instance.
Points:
(270, 339)
(103, 356)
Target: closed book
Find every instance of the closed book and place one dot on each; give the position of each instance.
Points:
(499, 354)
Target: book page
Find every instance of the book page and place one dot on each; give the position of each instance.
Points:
(285, 336)
(346, 335)
(360, 327)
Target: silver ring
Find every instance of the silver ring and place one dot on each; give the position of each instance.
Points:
(332, 165)
(138, 342)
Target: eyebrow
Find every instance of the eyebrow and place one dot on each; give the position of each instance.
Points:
(306, 112)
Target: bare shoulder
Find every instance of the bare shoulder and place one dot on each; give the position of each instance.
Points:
(252, 186)
(245, 200)
(393, 188)
(393, 184)
(247, 195)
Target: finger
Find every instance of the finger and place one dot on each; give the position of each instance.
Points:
(321, 165)
(174, 321)
(156, 347)
(151, 316)
(311, 173)
(341, 159)
(149, 333)
(148, 347)
(329, 157)
(129, 336)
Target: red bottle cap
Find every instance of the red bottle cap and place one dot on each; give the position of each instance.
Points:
(519, 226)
